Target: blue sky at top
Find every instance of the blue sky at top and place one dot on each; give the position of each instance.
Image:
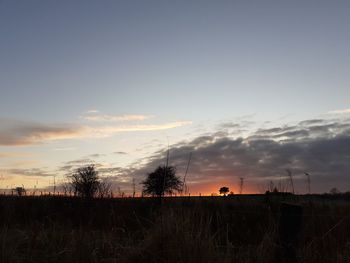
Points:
(185, 64)
(196, 59)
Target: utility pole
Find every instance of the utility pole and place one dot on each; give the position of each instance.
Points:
(133, 187)
(289, 172)
(165, 170)
(308, 182)
(1, 179)
(241, 183)
(54, 184)
(184, 181)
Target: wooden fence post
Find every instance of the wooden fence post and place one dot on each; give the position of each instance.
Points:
(290, 223)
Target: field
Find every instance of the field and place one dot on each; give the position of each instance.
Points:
(198, 229)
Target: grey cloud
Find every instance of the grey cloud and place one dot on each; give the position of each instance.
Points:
(323, 150)
(71, 166)
(80, 161)
(311, 122)
(18, 133)
(95, 155)
(229, 125)
(115, 175)
(271, 131)
(31, 172)
(293, 134)
(103, 169)
(110, 171)
(120, 153)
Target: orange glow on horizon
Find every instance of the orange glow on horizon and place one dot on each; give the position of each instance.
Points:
(213, 188)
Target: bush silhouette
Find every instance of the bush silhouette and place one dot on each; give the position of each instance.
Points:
(85, 182)
(20, 191)
(224, 190)
(161, 182)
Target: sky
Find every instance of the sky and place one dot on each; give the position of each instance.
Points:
(250, 88)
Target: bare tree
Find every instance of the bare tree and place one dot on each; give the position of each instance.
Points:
(85, 182)
(334, 191)
(20, 190)
(104, 188)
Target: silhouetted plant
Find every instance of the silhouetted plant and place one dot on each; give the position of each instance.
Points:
(334, 191)
(85, 182)
(20, 191)
(224, 190)
(104, 189)
(66, 188)
(161, 182)
(290, 176)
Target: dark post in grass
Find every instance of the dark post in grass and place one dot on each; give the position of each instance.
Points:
(290, 223)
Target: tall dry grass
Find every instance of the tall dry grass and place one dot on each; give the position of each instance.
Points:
(239, 229)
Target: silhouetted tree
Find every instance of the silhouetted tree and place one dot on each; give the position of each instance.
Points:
(20, 191)
(104, 189)
(334, 191)
(161, 182)
(224, 190)
(85, 181)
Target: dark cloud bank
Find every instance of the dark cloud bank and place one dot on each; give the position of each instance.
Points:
(319, 147)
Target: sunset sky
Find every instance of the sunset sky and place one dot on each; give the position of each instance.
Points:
(251, 88)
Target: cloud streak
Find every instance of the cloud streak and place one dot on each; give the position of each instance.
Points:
(106, 131)
(342, 111)
(115, 118)
(33, 172)
(19, 133)
(97, 116)
(13, 155)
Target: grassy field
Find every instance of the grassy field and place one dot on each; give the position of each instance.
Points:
(196, 229)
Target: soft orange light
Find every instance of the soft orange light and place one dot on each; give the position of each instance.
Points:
(207, 189)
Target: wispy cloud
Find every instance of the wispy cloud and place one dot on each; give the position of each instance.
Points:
(14, 154)
(120, 153)
(92, 111)
(63, 149)
(106, 131)
(104, 168)
(341, 111)
(19, 133)
(94, 115)
(96, 155)
(30, 172)
(24, 163)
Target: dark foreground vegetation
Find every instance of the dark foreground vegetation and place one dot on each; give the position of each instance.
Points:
(196, 229)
